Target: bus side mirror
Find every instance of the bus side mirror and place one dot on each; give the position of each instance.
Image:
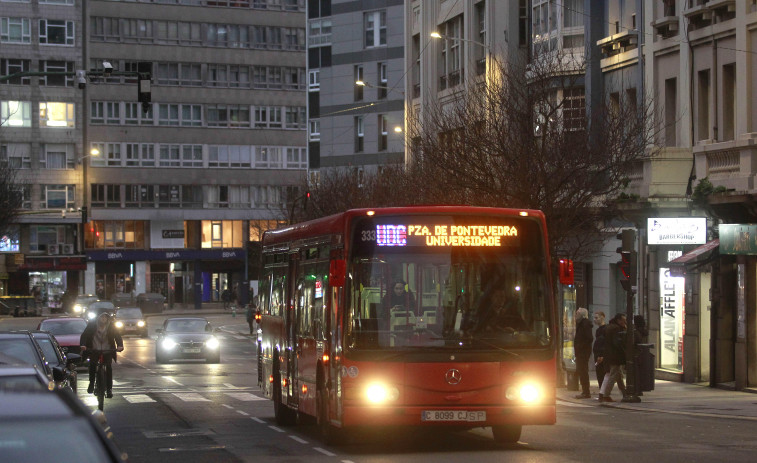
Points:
(337, 272)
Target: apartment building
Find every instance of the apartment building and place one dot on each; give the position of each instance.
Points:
(178, 190)
(41, 126)
(355, 89)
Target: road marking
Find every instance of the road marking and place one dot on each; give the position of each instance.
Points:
(255, 418)
(324, 451)
(276, 429)
(239, 337)
(298, 439)
(190, 397)
(228, 406)
(572, 404)
(231, 386)
(138, 398)
(244, 396)
(90, 400)
(243, 413)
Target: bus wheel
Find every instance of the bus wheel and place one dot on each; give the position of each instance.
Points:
(284, 416)
(507, 434)
(327, 431)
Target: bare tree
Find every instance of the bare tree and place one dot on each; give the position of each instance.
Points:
(10, 196)
(524, 139)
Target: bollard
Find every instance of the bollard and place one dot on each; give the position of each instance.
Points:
(234, 311)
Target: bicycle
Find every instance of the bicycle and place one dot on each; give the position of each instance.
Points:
(100, 382)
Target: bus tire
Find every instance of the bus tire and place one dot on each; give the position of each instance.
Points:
(507, 433)
(283, 414)
(329, 434)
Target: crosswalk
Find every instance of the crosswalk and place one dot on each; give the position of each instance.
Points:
(183, 396)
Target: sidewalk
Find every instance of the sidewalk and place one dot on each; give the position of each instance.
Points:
(678, 398)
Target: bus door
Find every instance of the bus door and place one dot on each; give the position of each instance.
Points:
(290, 324)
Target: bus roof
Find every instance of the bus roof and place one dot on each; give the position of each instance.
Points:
(337, 223)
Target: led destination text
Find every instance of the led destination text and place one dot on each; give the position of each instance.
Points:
(443, 235)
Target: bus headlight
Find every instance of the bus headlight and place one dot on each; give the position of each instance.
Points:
(168, 344)
(78, 308)
(141, 323)
(119, 324)
(91, 315)
(529, 393)
(212, 343)
(378, 393)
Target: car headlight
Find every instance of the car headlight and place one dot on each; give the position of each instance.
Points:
(168, 344)
(91, 315)
(379, 393)
(78, 308)
(140, 323)
(119, 324)
(529, 393)
(212, 343)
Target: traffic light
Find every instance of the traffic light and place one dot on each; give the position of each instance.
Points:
(144, 71)
(628, 258)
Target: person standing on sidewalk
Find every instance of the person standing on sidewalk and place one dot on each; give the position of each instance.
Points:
(582, 346)
(615, 356)
(599, 346)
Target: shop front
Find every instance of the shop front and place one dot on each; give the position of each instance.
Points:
(49, 278)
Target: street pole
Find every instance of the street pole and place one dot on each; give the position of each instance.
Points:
(631, 394)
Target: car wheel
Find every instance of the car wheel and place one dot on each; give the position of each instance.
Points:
(214, 359)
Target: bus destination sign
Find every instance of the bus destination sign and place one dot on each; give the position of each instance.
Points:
(442, 235)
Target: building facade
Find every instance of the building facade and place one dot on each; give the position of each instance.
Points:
(356, 88)
(181, 184)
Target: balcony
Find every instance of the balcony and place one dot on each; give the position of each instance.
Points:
(666, 26)
(729, 163)
(698, 13)
(619, 43)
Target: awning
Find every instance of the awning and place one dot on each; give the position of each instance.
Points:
(677, 266)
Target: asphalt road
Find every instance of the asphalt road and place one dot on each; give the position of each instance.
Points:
(195, 412)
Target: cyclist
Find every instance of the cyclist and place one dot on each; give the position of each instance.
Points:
(98, 336)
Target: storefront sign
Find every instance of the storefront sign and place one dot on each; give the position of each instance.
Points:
(179, 254)
(173, 234)
(167, 234)
(738, 239)
(681, 230)
(671, 320)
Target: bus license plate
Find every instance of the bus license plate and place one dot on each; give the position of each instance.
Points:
(453, 415)
(192, 350)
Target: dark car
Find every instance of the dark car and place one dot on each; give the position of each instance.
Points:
(98, 307)
(42, 426)
(23, 377)
(56, 358)
(129, 320)
(21, 348)
(123, 300)
(81, 303)
(67, 331)
(187, 338)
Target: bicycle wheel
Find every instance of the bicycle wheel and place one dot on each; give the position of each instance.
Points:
(100, 387)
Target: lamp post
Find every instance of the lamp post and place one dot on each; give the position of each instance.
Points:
(437, 35)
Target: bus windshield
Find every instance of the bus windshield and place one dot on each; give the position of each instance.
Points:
(445, 291)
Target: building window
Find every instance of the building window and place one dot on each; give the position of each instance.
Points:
(296, 158)
(314, 80)
(60, 67)
(191, 115)
(56, 114)
(383, 125)
(16, 155)
(222, 234)
(15, 114)
(451, 73)
(56, 32)
(383, 82)
(315, 130)
(359, 134)
(57, 156)
(57, 196)
(574, 108)
(168, 114)
(14, 66)
(375, 28)
(15, 30)
(358, 77)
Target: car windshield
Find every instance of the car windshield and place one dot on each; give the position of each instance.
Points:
(47, 346)
(486, 298)
(64, 327)
(129, 313)
(186, 326)
(19, 349)
(36, 440)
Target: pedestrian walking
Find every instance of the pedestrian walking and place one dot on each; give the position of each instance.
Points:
(599, 346)
(615, 356)
(582, 344)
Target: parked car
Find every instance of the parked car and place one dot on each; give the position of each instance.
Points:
(23, 377)
(151, 302)
(67, 332)
(98, 307)
(21, 348)
(41, 426)
(56, 358)
(129, 320)
(82, 302)
(122, 300)
(187, 338)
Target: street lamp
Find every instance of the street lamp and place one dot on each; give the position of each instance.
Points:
(94, 152)
(362, 83)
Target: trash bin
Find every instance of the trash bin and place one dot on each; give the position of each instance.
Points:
(570, 373)
(151, 302)
(645, 367)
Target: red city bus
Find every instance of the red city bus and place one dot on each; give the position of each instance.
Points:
(413, 316)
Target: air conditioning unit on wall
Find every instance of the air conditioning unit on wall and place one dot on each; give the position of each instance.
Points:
(52, 250)
(68, 248)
